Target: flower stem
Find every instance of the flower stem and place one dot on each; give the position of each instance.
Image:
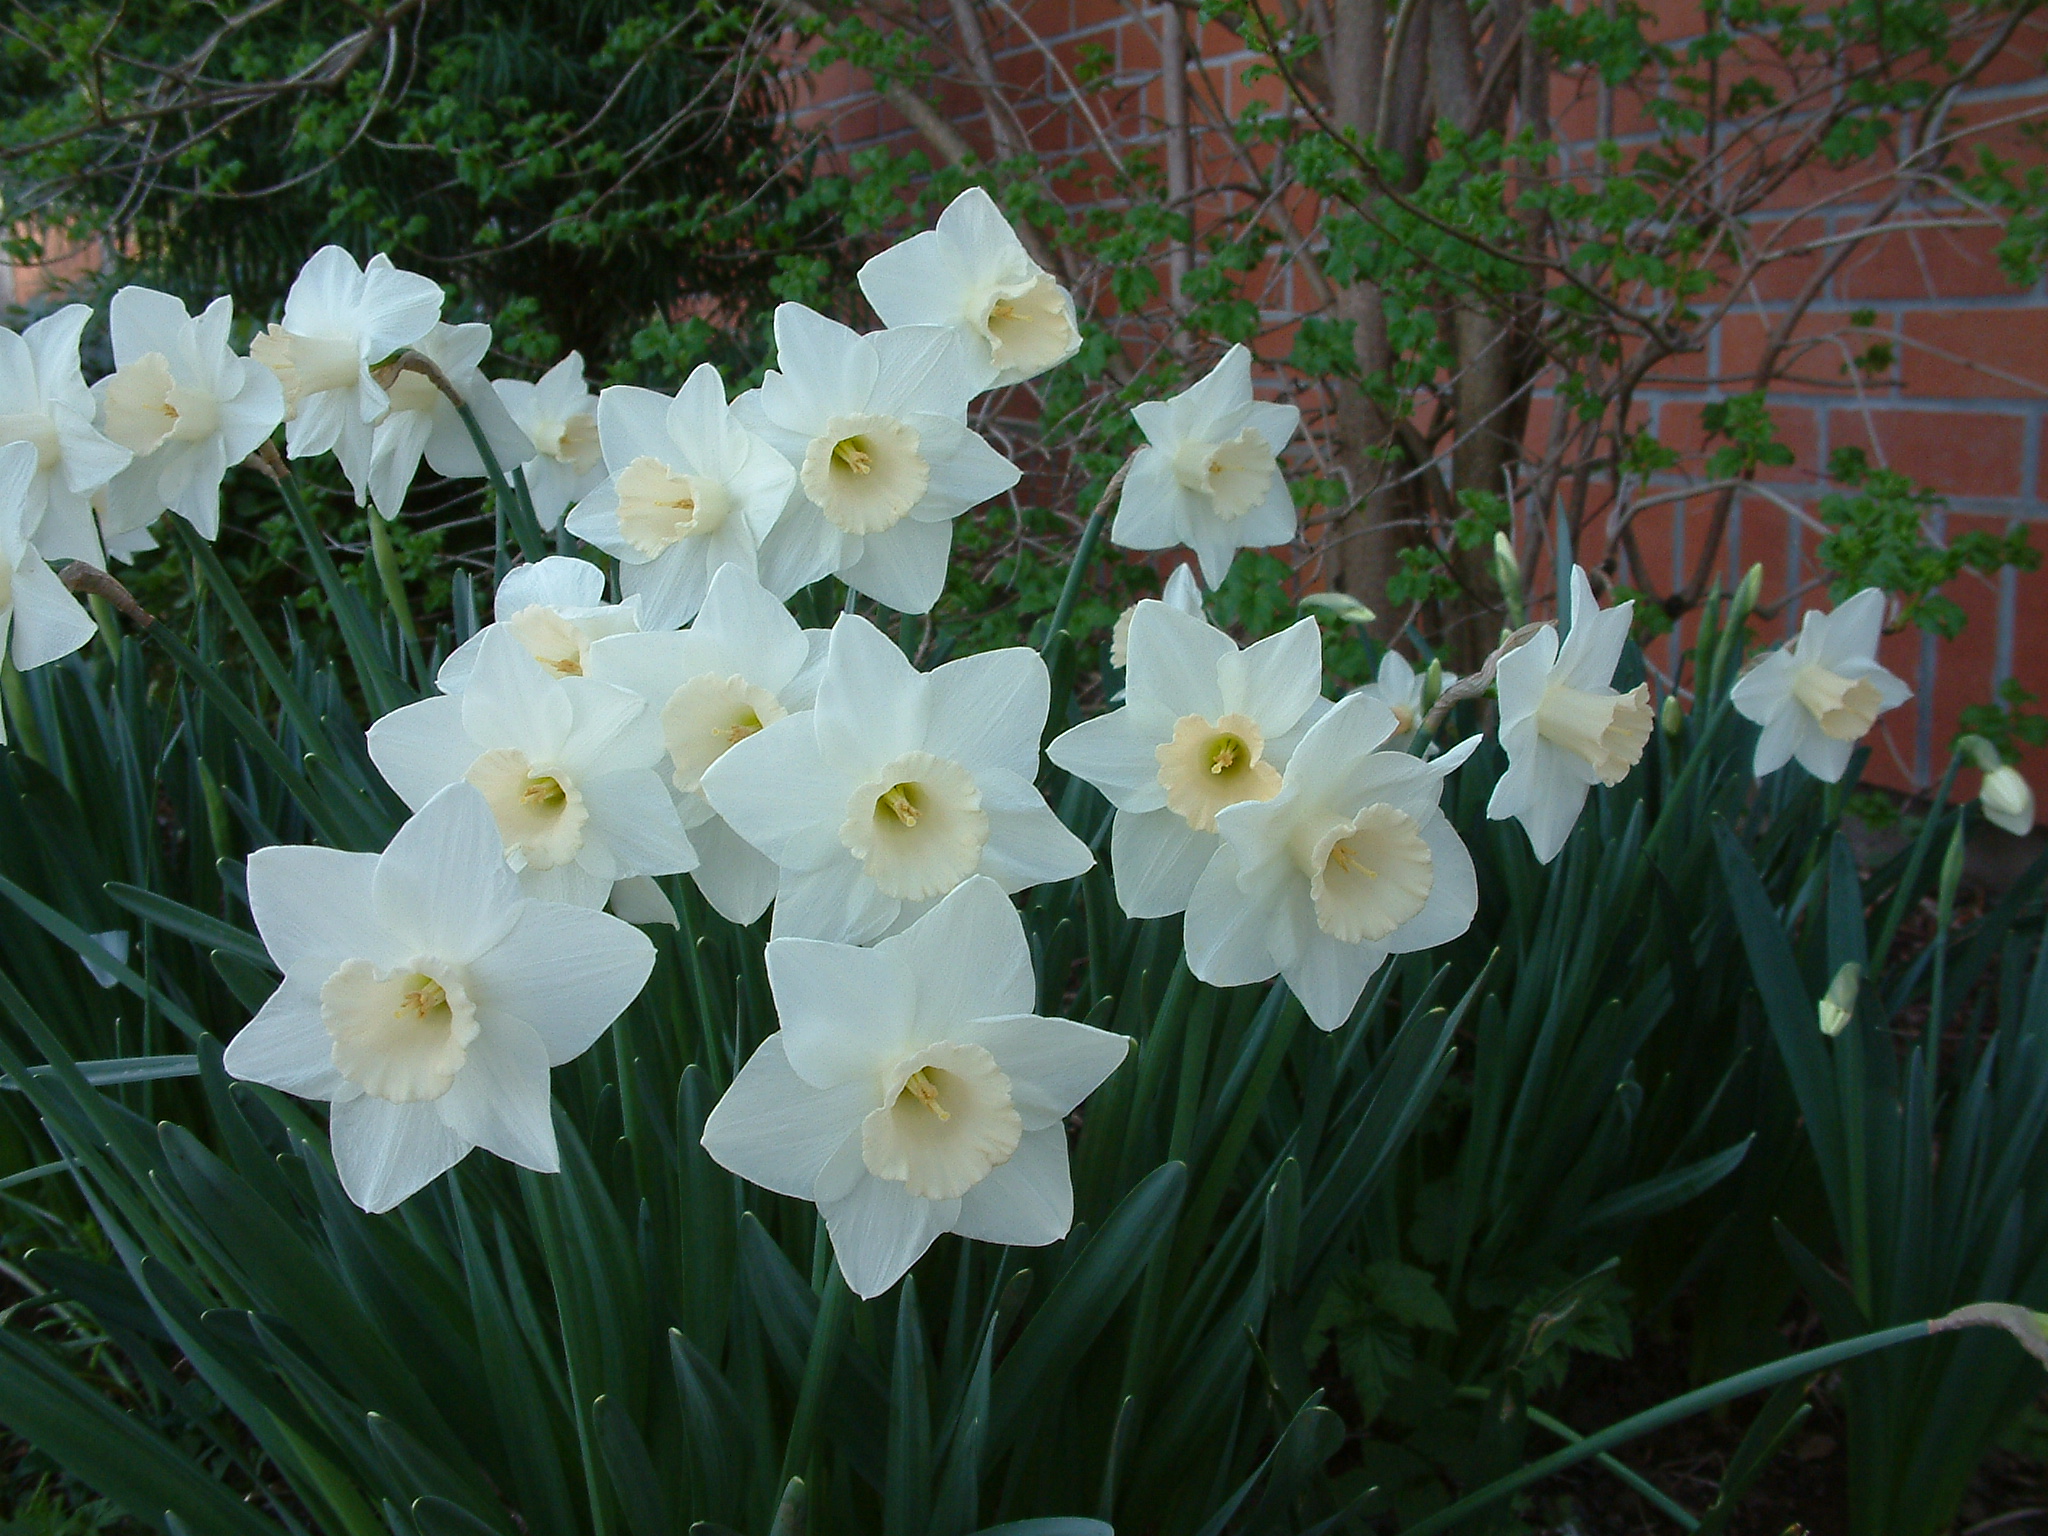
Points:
(1808, 1362)
(517, 511)
(393, 582)
(827, 1334)
(1084, 551)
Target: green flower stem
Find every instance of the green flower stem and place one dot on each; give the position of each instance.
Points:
(1070, 593)
(27, 736)
(381, 690)
(393, 582)
(1643, 1487)
(311, 728)
(1806, 1363)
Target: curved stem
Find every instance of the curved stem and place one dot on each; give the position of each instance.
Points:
(393, 581)
(1083, 552)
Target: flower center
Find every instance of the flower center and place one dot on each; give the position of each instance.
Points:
(307, 365)
(400, 1035)
(1608, 730)
(1235, 476)
(1211, 764)
(1026, 326)
(708, 715)
(572, 442)
(1369, 875)
(550, 639)
(540, 811)
(946, 1119)
(864, 472)
(1845, 710)
(33, 427)
(659, 507)
(145, 407)
(919, 829)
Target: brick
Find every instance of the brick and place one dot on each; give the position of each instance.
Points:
(1958, 453)
(1680, 425)
(1997, 353)
(1925, 264)
(1817, 356)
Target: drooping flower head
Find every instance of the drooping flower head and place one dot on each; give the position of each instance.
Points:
(556, 609)
(1400, 687)
(2007, 800)
(426, 998)
(971, 273)
(559, 415)
(183, 404)
(742, 665)
(1203, 727)
(340, 322)
(422, 421)
(567, 765)
(1209, 477)
(1562, 722)
(39, 620)
(689, 490)
(1352, 861)
(44, 403)
(1820, 695)
(876, 427)
(896, 787)
(912, 1091)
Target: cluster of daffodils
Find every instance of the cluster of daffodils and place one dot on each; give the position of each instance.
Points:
(602, 734)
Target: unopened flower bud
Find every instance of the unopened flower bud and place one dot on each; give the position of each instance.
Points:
(2007, 800)
(1507, 570)
(1840, 1002)
(1671, 716)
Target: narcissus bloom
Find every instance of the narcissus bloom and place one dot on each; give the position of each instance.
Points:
(2007, 800)
(184, 404)
(559, 415)
(877, 429)
(896, 787)
(556, 609)
(423, 422)
(740, 667)
(39, 620)
(340, 322)
(690, 490)
(1562, 722)
(972, 274)
(1352, 861)
(1204, 726)
(1399, 686)
(44, 403)
(1209, 477)
(1820, 695)
(566, 764)
(426, 998)
(912, 1091)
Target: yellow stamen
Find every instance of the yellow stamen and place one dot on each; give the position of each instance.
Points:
(739, 730)
(1223, 756)
(544, 792)
(849, 452)
(1347, 861)
(921, 1088)
(898, 800)
(421, 1000)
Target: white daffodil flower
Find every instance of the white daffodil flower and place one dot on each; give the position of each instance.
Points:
(1399, 686)
(1352, 861)
(912, 1091)
(340, 322)
(44, 403)
(423, 422)
(689, 489)
(1820, 695)
(39, 619)
(1203, 726)
(896, 787)
(2007, 800)
(1564, 726)
(876, 427)
(567, 765)
(1209, 476)
(559, 416)
(971, 273)
(184, 405)
(741, 666)
(425, 998)
(1182, 591)
(556, 609)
